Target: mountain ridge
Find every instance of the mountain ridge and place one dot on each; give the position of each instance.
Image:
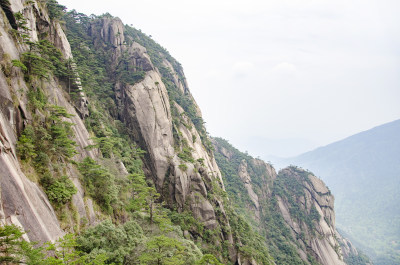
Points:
(102, 141)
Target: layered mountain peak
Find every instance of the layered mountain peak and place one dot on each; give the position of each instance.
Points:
(294, 208)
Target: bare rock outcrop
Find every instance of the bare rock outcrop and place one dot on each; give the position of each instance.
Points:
(314, 199)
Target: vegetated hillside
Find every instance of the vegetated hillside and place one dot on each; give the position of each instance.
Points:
(291, 210)
(363, 171)
(101, 138)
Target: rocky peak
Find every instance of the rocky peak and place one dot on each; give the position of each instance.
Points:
(108, 30)
(183, 171)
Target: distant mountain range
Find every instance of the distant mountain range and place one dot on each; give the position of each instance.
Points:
(363, 172)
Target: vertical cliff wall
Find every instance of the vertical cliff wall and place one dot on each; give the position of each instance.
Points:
(180, 166)
(22, 200)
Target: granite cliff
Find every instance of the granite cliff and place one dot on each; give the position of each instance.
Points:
(293, 209)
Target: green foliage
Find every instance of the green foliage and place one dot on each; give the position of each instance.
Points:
(292, 189)
(272, 235)
(163, 250)
(44, 58)
(187, 222)
(19, 23)
(37, 100)
(209, 259)
(229, 169)
(99, 184)
(37, 65)
(25, 145)
(15, 250)
(48, 139)
(56, 11)
(144, 197)
(117, 243)
(18, 63)
(186, 154)
(92, 64)
(128, 244)
(64, 251)
(183, 167)
(127, 73)
(11, 244)
(253, 244)
(59, 191)
(113, 140)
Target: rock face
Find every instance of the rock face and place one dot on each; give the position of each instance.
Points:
(322, 238)
(244, 175)
(23, 202)
(145, 108)
(166, 124)
(294, 198)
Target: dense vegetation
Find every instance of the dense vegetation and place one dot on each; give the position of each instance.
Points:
(114, 141)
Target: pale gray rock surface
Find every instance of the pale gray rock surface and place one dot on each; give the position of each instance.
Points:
(23, 202)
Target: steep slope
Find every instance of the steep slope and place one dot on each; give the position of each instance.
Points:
(23, 202)
(363, 172)
(103, 126)
(176, 159)
(293, 209)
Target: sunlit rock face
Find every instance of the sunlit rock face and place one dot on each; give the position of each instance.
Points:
(145, 109)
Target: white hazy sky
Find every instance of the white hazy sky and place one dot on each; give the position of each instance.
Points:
(278, 77)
